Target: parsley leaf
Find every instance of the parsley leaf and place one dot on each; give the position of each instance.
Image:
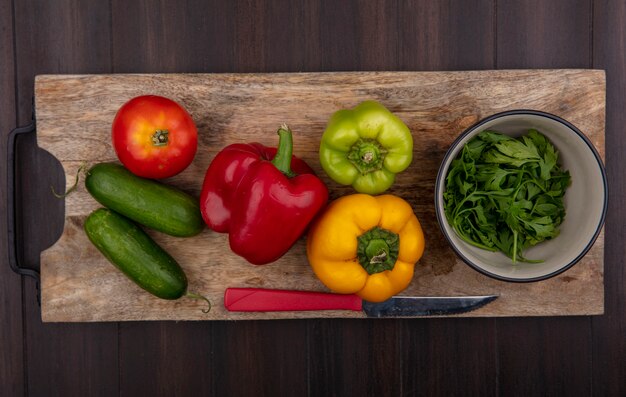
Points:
(504, 193)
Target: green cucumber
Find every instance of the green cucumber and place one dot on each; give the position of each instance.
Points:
(137, 255)
(145, 201)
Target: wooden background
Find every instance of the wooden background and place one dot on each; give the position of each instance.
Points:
(483, 357)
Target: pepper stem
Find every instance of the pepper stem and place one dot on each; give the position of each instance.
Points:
(282, 160)
(377, 250)
(367, 155)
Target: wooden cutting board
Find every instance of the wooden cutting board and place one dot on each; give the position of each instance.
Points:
(74, 115)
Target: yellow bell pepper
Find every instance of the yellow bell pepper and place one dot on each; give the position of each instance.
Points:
(366, 245)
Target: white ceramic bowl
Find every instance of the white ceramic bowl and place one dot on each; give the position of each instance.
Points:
(585, 200)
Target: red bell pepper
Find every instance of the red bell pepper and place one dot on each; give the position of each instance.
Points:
(263, 197)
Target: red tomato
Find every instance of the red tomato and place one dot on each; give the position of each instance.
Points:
(154, 137)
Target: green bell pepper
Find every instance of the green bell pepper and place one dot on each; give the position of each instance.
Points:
(365, 147)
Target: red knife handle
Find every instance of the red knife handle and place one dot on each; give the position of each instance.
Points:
(271, 300)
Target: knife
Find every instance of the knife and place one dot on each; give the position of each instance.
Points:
(270, 300)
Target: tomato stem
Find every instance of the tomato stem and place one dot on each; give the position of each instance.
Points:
(160, 138)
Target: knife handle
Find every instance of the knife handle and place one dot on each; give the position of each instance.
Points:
(270, 300)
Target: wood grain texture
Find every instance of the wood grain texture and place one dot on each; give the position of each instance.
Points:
(609, 341)
(338, 358)
(446, 35)
(269, 358)
(213, 36)
(529, 35)
(214, 358)
(161, 36)
(166, 359)
(431, 349)
(353, 35)
(12, 368)
(467, 356)
(60, 36)
(561, 364)
(436, 106)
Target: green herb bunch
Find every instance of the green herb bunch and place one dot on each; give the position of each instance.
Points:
(504, 193)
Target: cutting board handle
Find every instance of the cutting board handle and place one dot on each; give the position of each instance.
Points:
(12, 245)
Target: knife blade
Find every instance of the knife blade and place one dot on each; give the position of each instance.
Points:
(270, 300)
